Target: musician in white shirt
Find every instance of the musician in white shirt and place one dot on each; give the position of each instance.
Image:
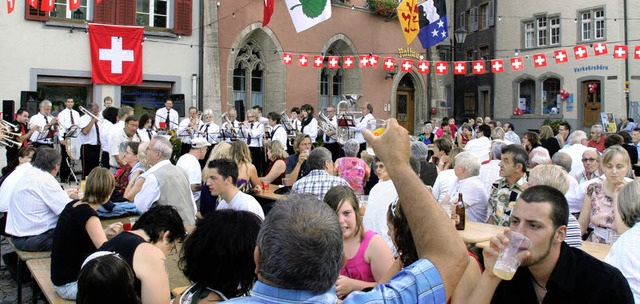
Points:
(145, 128)
(261, 119)
(361, 124)
(309, 123)
(255, 132)
(90, 137)
(167, 115)
(209, 130)
(67, 118)
(188, 128)
(231, 126)
(47, 124)
(277, 131)
(330, 140)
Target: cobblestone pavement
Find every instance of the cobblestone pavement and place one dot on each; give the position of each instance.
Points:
(8, 292)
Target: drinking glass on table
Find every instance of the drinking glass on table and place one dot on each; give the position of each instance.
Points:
(285, 182)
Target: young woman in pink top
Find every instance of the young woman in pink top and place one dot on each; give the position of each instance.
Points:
(368, 256)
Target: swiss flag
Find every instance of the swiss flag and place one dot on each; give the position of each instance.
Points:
(407, 65)
(600, 49)
(479, 67)
(47, 5)
(303, 60)
(540, 60)
(620, 51)
(636, 53)
(364, 61)
(32, 3)
(287, 58)
(318, 61)
(497, 66)
(389, 63)
(373, 61)
(423, 67)
(517, 64)
(11, 4)
(442, 67)
(459, 67)
(348, 62)
(116, 54)
(560, 56)
(73, 4)
(269, 5)
(334, 62)
(580, 52)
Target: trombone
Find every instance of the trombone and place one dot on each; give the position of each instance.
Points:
(85, 111)
(8, 126)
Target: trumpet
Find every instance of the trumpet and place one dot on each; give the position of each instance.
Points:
(8, 126)
(7, 141)
(85, 111)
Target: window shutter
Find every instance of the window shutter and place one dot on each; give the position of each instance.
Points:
(473, 26)
(125, 12)
(31, 13)
(183, 13)
(492, 14)
(104, 12)
(462, 20)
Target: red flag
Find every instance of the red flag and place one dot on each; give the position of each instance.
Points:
(318, 61)
(407, 65)
(479, 67)
(580, 52)
(334, 62)
(389, 63)
(32, 3)
(303, 60)
(364, 61)
(539, 60)
(636, 53)
(373, 61)
(620, 51)
(269, 5)
(560, 56)
(11, 4)
(442, 67)
(348, 62)
(517, 64)
(47, 5)
(460, 67)
(423, 67)
(73, 5)
(497, 66)
(287, 58)
(600, 49)
(116, 54)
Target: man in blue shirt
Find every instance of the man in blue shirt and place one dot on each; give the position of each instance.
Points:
(299, 250)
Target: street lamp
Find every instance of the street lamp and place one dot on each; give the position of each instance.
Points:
(461, 35)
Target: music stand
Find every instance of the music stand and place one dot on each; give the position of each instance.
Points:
(346, 121)
(46, 134)
(72, 132)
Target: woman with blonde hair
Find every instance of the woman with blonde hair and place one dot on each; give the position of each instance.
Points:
(248, 179)
(277, 163)
(497, 133)
(548, 140)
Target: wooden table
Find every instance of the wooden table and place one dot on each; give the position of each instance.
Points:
(268, 194)
(476, 232)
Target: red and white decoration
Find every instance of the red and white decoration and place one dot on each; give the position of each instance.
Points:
(334, 62)
(406, 66)
(539, 60)
(459, 67)
(560, 56)
(442, 67)
(580, 52)
(47, 5)
(287, 58)
(636, 53)
(373, 61)
(600, 49)
(497, 66)
(423, 67)
(116, 54)
(389, 63)
(318, 61)
(364, 61)
(348, 62)
(479, 67)
(517, 64)
(620, 52)
(303, 60)
(11, 5)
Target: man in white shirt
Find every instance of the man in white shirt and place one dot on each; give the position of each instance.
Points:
(330, 140)
(481, 146)
(36, 202)
(168, 116)
(255, 132)
(259, 118)
(91, 143)
(8, 185)
(490, 172)
(188, 128)
(510, 134)
(209, 130)
(591, 164)
(471, 187)
(128, 133)
(361, 124)
(222, 179)
(47, 124)
(165, 184)
(67, 118)
(190, 163)
(578, 144)
(231, 126)
(277, 130)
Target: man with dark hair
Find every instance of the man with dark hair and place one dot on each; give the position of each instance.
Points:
(67, 118)
(276, 130)
(222, 180)
(36, 202)
(480, 146)
(564, 129)
(167, 115)
(91, 140)
(506, 190)
(510, 133)
(22, 117)
(320, 178)
(551, 272)
(128, 133)
(260, 118)
(109, 118)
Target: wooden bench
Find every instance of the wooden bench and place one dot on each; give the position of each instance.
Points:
(25, 256)
(41, 272)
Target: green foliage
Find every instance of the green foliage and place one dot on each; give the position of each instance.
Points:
(554, 124)
(311, 8)
(382, 7)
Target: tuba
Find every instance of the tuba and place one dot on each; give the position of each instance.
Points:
(325, 125)
(345, 111)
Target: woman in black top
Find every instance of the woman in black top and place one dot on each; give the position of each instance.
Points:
(548, 141)
(79, 232)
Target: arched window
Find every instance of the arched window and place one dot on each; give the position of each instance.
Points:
(248, 75)
(550, 95)
(527, 96)
(331, 86)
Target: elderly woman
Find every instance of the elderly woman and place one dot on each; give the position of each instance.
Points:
(597, 208)
(427, 137)
(548, 140)
(353, 169)
(428, 170)
(624, 252)
(137, 178)
(539, 156)
(129, 172)
(469, 184)
(277, 163)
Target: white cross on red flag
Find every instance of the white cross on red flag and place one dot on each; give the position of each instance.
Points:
(373, 61)
(517, 64)
(407, 65)
(620, 51)
(560, 56)
(11, 4)
(540, 60)
(442, 67)
(348, 62)
(636, 53)
(580, 52)
(318, 61)
(423, 67)
(459, 67)
(479, 67)
(116, 54)
(334, 62)
(303, 60)
(600, 49)
(497, 66)
(364, 61)
(287, 58)
(389, 63)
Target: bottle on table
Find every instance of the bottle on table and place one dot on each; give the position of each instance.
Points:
(460, 213)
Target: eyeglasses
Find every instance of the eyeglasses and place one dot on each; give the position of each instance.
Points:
(378, 166)
(584, 160)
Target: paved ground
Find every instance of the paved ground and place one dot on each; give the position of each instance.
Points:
(8, 292)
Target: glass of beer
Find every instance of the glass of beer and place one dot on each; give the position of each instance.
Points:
(511, 256)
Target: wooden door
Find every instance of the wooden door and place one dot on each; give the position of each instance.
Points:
(592, 104)
(404, 109)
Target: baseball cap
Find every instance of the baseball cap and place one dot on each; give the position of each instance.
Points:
(197, 143)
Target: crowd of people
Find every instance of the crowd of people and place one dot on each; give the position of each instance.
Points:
(324, 240)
